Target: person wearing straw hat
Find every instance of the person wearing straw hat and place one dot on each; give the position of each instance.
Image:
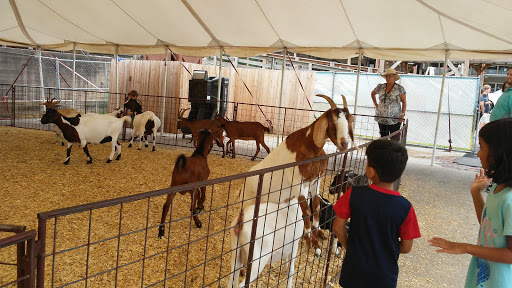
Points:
(390, 109)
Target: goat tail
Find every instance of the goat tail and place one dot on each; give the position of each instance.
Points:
(181, 161)
(127, 119)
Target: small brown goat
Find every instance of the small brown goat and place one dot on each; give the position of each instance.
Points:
(203, 124)
(67, 112)
(189, 170)
(237, 130)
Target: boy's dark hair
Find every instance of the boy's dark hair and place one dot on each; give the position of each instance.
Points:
(498, 136)
(133, 93)
(388, 158)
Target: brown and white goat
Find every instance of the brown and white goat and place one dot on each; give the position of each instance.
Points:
(67, 112)
(237, 130)
(189, 170)
(203, 124)
(307, 143)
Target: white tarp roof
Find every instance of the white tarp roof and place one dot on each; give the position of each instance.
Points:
(391, 30)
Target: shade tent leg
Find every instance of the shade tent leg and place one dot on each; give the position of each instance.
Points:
(281, 95)
(439, 110)
(165, 91)
(74, 76)
(219, 81)
(41, 74)
(116, 56)
(357, 81)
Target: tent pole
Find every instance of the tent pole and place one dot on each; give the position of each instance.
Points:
(165, 91)
(357, 81)
(74, 76)
(41, 80)
(116, 56)
(281, 96)
(439, 109)
(219, 81)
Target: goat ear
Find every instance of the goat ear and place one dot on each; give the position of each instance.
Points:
(319, 130)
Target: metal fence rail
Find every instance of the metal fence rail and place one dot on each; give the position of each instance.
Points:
(22, 272)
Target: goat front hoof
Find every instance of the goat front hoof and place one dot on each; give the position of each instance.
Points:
(200, 208)
(66, 162)
(61, 143)
(139, 149)
(161, 232)
(130, 145)
(318, 252)
(146, 145)
(153, 150)
(118, 157)
(89, 162)
(199, 225)
(108, 161)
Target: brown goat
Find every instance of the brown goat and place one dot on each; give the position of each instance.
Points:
(203, 124)
(237, 130)
(189, 170)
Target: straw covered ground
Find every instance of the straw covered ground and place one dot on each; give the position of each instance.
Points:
(35, 180)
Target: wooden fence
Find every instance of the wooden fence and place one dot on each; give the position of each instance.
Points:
(147, 78)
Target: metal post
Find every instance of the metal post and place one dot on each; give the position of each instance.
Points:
(219, 81)
(165, 91)
(478, 113)
(41, 74)
(281, 94)
(13, 120)
(58, 77)
(439, 110)
(253, 231)
(357, 81)
(41, 250)
(74, 76)
(116, 55)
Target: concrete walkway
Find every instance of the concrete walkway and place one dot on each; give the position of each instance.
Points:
(440, 195)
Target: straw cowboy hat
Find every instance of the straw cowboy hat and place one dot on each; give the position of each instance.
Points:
(390, 71)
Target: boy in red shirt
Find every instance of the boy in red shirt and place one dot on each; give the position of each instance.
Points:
(383, 223)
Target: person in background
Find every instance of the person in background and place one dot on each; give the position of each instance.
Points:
(491, 264)
(383, 223)
(392, 104)
(485, 106)
(503, 107)
(133, 106)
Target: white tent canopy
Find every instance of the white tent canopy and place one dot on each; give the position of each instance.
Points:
(392, 30)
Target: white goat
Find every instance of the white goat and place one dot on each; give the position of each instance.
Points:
(307, 143)
(94, 129)
(280, 227)
(145, 124)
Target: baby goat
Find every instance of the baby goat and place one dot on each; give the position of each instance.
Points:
(279, 229)
(94, 129)
(189, 170)
(237, 130)
(145, 124)
(203, 124)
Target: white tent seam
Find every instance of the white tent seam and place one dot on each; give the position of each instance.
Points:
(201, 22)
(20, 22)
(64, 18)
(448, 17)
(269, 23)
(350, 23)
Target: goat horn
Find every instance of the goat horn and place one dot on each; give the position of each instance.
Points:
(329, 99)
(344, 101)
(182, 111)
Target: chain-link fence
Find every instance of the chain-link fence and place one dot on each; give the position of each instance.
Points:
(458, 111)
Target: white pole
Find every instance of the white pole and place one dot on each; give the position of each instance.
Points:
(219, 81)
(116, 55)
(439, 110)
(165, 91)
(281, 95)
(41, 74)
(57, 75)
(357, 81)
(74, 76)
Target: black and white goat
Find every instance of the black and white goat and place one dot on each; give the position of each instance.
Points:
(94, 129)
(145, 124)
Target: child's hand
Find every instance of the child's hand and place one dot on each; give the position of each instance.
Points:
(446, 246)
(481, 181)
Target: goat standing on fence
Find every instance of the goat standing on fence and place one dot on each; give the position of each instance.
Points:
(202, 124)
(237, 130)
(145, 124)
(335, 124)
(280, 227)
(94, 129)
(189, 170)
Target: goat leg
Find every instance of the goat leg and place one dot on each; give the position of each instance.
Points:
(194, 195)
(306, 214)
(165, 210)
(89, 158)
(316, 218)
(257, 151)
(68, 153)
(233, 146)
(202, 198)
